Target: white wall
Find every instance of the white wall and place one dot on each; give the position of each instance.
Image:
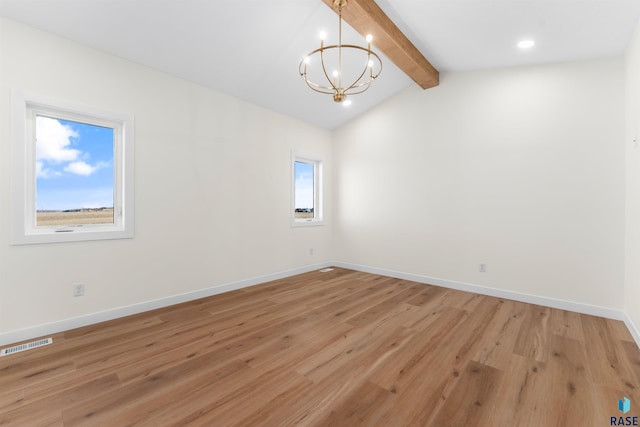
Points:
(632, 279)
(212, 188)
(520, 168)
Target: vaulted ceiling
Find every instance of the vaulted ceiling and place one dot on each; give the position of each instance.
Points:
(251, 48)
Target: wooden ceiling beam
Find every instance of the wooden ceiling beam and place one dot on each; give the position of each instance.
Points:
(366, 17)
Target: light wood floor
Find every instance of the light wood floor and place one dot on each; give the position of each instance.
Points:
(342, 348)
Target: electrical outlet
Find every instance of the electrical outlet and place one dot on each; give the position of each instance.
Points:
(482, 267)
(78, 289)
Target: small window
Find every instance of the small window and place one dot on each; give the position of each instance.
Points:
(73, 174)
(307, 192)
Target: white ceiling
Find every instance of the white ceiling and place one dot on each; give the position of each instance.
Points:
(251, 49)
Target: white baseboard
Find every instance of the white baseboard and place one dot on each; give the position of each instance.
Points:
(632, 328)
(593, 310)
(93, 318)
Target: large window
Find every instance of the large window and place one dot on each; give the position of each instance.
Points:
(307, 192)
(72, 173)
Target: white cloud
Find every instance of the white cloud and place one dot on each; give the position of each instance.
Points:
(42, 172)
(53, 141)
(80, 168)
(52, 148)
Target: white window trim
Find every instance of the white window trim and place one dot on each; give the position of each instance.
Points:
(23, 229)
(318, 208)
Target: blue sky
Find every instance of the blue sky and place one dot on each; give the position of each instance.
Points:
(74, 165)
(303, 176)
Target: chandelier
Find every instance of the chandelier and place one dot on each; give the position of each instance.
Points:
(338, 58)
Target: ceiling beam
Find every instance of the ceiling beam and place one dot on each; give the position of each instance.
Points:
(366, 17)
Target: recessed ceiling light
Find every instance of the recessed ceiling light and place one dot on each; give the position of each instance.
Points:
(526, 44)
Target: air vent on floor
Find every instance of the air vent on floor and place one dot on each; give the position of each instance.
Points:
(24, 347)
(326, 270)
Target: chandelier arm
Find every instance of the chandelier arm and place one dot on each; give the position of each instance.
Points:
(319, 88)
(328, 90)
(354, 84)
(370, 53)
(369, 81)
(324, 70)
(366, 86)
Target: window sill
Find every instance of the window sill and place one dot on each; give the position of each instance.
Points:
(307, 223)
(71, 235)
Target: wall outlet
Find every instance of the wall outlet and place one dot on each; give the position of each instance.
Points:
(78, 289)
(482, 267)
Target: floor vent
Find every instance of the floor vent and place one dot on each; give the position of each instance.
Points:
(24, 347)
(326, 270)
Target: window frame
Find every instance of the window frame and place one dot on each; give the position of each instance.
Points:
(23, 220)
(318, 212)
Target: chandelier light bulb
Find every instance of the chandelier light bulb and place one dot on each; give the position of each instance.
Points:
(323, 35)
(335, 73)
(370, 63)
(526, 44)
(307, 59)
(369, 38)
(346, 102)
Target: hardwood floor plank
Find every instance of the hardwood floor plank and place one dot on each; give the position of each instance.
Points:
(569, 380)
(633, 356)
(429, 294)
(566, 324)
(470, 334)
(419, 355)
(533, 337)
(60, 398)
(238, 404)
(471, 400)
(98, 331)
(386, 306)
(11, 399)
(365, 406)
(270, 413)
(27, 416)
(614, 369)
(498, 346)
(45, 370)
(524, 394)
(286, 351)
(107, 408)
(620, 331)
